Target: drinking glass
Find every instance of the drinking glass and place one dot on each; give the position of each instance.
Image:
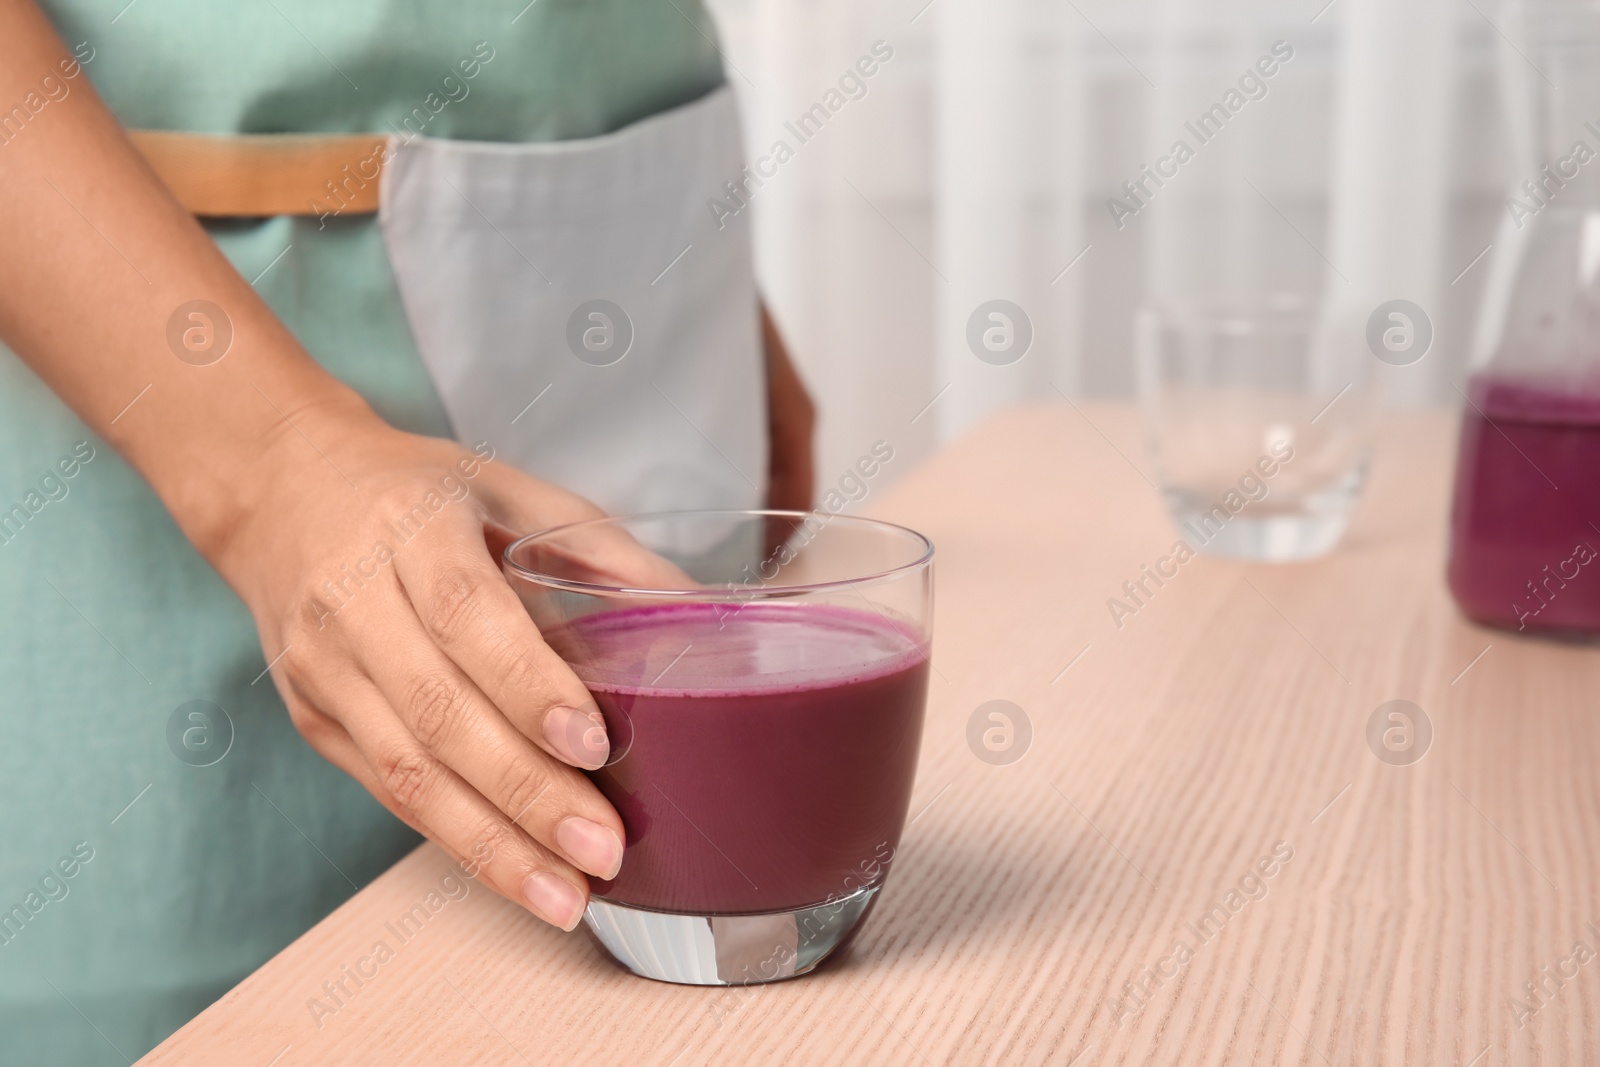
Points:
(1257, 423)
(762, 677)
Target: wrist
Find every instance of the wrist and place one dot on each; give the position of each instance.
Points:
(291, 454)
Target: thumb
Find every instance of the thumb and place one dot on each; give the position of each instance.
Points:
(580, 547)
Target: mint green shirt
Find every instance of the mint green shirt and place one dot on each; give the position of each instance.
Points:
(136, 888)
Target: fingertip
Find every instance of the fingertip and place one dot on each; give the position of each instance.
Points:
(578, 736)
(554, 899)
(594, 848)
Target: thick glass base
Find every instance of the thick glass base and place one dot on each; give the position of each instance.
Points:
(1284, 527)
(1275, 539)
(725, 949)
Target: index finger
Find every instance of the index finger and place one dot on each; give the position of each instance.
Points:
(477, 620)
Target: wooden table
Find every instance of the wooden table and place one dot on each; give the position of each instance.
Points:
(1406, 907)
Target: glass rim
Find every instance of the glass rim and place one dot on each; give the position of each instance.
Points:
(1241, 314)
(924, 557)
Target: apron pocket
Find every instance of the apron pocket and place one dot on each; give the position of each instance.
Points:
(580, 307)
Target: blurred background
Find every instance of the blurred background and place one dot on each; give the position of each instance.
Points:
(1373, 164)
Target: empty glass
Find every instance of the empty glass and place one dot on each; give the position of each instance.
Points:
(1256, 420)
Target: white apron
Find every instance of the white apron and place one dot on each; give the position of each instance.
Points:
(578, 308)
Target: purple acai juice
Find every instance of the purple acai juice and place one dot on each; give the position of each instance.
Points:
(1525, 525)
(763, 755)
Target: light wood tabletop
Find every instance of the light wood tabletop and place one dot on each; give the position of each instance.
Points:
(1199, 776)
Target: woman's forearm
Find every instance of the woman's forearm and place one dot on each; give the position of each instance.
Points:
(96, 256)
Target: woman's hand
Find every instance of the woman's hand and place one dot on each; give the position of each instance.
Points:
(369, 558)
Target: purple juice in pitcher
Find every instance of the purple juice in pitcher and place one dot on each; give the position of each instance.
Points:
(1525, 524)
(763, 755)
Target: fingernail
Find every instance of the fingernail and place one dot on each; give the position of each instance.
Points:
(578, 737)
(594, 848)
(553, 899)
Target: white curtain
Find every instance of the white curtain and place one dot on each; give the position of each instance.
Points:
(980, 159)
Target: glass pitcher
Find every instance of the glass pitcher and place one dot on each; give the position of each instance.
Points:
(1525, 523)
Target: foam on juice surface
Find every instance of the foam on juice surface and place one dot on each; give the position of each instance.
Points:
(729, 649)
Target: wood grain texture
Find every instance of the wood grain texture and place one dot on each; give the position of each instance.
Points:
(1226, 718)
